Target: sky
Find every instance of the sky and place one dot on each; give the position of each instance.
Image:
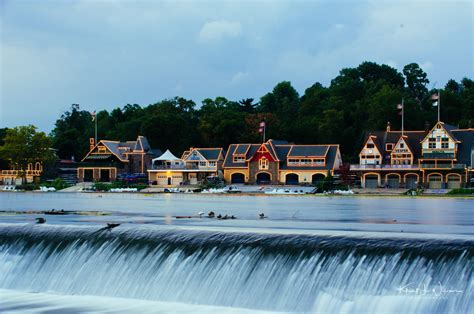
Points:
(104, 54)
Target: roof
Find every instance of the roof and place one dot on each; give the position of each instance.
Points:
(466, 147)
(282, 152)
(210, 154)
(412, 138)
(308, 151)
(121, 149)
(241, 149)
(166, 156)
(331, 155)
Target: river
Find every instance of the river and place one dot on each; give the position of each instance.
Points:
(309, 254)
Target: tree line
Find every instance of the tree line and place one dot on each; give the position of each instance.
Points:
(357, 101)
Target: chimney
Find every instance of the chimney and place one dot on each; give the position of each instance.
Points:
(427, 126)
(388, 126)
(91, 143)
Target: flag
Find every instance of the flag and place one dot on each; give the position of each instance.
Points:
(435, 104)
(261, 127)
(435, 96)
(400, 109)
(93, 115)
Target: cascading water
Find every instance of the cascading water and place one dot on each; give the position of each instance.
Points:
(253, 271)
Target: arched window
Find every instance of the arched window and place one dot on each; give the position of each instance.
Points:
(263, 163)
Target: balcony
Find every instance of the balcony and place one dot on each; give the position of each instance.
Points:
(442, 166)
(186, 167)
(384, 167)
(17, 173)
(438, 155)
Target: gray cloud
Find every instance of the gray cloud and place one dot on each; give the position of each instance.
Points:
(103, 54)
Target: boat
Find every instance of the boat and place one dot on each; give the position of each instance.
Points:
(285, 191)
(212, 191)
(231, 189)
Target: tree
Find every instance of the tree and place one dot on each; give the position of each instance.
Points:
(247, 105)
(416, 80)
(24, 145)
(72, 132)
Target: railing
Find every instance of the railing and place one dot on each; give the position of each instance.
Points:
(439, 155)
(443, 166)
(381, 167)
(101, 164)
(407, 167)
(21, 172)
(183, 167)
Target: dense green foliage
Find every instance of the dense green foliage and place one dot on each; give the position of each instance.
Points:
(24, 145)
(358, 100)
(105, 187)
(461, 191)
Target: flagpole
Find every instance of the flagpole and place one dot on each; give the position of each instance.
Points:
(264, 129)
(439, 105)
(95, 120)
(403, 114)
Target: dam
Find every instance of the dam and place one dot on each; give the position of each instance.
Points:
(234, 267)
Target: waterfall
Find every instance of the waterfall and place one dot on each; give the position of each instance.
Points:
(271, 272)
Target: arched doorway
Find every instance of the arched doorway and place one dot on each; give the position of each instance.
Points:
(435, 181)
(411, 181)
(317, 178)
(393, 181)
(237, 178)
(263, 178)
(371, 181)
(292, 178)
(454, 181)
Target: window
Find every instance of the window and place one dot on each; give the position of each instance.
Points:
(445, 142)
(388, 147)
(431, 143)
(402, 145)
(239, 159)
(370, 145)
(263, 164)
(102, 149)
(212, 164)
(202, 164)
(318, 161)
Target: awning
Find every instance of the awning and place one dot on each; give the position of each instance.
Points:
(167, 156)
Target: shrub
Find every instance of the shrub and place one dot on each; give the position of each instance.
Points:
(461, 191)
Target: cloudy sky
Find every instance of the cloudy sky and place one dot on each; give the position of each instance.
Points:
(103, 54)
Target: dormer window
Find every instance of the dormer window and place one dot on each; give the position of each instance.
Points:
(239, 159)
(402, 145)
(102, 149)
(389, 147)
(370, 145)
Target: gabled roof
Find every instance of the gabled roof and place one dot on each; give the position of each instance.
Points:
(281, 152)
(121, 149)
(412, 138)
(209, 154)
(331, 151)
(447, 127)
